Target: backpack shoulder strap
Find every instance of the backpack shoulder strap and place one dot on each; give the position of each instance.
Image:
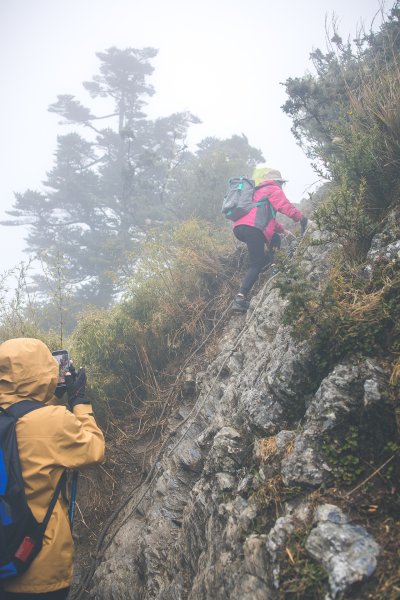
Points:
(59, 486)
(265, 199)
(23, 407)
(17, 410)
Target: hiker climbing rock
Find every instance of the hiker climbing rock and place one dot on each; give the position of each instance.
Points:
(49, 440)
(258, 226)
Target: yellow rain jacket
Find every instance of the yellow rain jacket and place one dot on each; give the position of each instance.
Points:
(50, 440)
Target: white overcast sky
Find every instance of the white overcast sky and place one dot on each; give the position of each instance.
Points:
(221, 59)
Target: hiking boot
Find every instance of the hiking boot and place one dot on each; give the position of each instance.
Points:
(240, 304)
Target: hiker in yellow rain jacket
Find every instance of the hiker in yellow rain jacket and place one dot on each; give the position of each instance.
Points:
(50, 440)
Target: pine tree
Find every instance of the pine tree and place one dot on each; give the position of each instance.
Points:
(109, 176)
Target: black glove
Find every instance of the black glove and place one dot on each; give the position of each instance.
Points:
(303, 225)
(76, 384)
(59, 393)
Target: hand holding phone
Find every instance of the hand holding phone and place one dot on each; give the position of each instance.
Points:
(62, 358)
(76, 385)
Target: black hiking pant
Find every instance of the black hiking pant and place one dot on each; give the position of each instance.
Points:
(57, 595)
(258, 259)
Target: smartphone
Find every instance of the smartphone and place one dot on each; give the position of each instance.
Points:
(62, 358)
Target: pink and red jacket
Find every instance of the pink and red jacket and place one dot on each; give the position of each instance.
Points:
(257, 216)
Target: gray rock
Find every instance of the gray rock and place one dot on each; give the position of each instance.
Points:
(347, 391)
(194, 537)
(348, 552)
(372, 394)
(260, 410)
(276, 541)
(283, 439)
(225, 482)
(330, 513)
(251, 588)
(189, 458)
(305, 466)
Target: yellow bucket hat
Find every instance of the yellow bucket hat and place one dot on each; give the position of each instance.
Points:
(262, 173)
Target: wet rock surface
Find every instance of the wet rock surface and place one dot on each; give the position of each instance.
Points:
(206, 528)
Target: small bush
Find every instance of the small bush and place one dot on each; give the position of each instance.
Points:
(350, 315)
(344, 218)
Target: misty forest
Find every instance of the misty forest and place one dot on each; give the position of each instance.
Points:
(252, 456)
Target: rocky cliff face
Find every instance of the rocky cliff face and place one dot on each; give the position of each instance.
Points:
(241, 484)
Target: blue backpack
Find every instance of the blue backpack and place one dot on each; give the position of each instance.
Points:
(21, 535)
(238, 200)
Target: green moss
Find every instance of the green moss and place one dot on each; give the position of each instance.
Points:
(301, 578)
(342, 453)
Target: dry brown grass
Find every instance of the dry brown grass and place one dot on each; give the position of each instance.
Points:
(395, 374)
(265, 449)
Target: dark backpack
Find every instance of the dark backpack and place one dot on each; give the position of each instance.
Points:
(21, 536)
(238, 200)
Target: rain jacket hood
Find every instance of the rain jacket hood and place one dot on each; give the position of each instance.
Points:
(27, 370)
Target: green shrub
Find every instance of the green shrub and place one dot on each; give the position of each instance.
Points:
(351, 315)
(28, 329)
(344, 218)
(346, 116)
(364, 160)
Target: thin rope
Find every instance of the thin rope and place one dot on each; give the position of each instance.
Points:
(100, 551)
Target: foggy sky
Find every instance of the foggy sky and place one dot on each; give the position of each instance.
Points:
(221, 59)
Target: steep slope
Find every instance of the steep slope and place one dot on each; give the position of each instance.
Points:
(244, 501)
